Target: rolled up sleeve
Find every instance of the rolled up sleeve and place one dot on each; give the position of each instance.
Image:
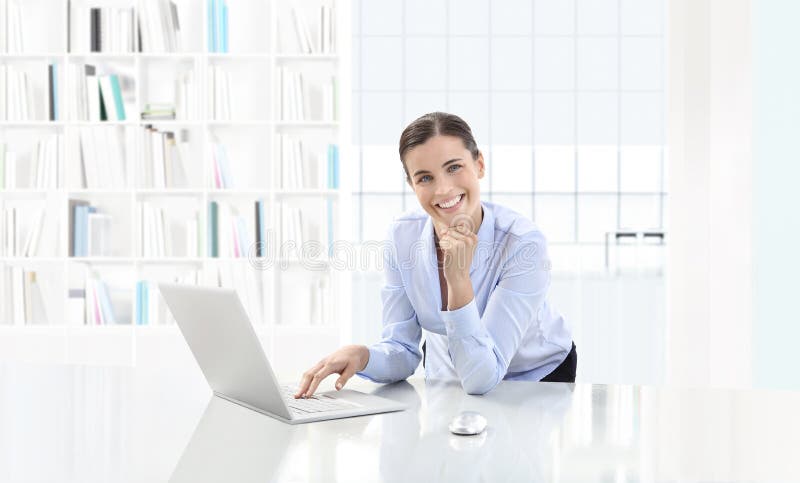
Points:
(397, 355)
(482, 346)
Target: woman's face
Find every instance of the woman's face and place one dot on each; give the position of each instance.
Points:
(445, 179)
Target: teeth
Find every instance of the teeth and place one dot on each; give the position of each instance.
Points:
(451, 203)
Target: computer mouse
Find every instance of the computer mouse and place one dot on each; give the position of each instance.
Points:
(468, 422)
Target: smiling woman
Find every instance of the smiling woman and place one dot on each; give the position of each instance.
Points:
(490, 318)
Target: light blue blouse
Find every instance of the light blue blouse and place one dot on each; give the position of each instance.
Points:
(508, 331)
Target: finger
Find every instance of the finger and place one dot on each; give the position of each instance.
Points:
(455, 236)
(345, 376)
(306, 380)
(318, 377)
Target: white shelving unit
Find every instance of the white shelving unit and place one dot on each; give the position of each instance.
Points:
(258, 35)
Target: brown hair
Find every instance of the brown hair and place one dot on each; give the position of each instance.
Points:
(433, 124)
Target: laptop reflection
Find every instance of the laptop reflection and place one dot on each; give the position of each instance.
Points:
(232, 443)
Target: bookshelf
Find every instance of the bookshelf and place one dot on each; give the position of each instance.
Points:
(149, 212)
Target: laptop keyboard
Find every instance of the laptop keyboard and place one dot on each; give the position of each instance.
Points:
(313, 404)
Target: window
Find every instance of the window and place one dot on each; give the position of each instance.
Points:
(566, 100)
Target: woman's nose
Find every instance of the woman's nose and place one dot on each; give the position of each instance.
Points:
(443, 188)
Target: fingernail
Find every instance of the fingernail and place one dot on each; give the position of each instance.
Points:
(338, 386)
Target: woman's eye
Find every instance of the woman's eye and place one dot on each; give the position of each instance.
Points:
(424, 179)
(454, 167)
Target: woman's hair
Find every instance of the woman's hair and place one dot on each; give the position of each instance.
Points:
(433, 124)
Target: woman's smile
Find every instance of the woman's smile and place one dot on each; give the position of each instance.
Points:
(451, 205)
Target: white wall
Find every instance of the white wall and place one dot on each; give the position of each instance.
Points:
(710, 261)
(776, 173)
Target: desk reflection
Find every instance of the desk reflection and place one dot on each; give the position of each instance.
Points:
(233, 443)
(517, 444)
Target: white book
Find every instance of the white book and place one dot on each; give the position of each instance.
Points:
(168, 25)
(3, 87)
(11, 232)
(303, 45)
(14, 40)
(144, 239)
(146, 36)
(299, 171)
(191, 237)
(11, 170)
(98, 234)
(93, 98)
(184, 156)
(108, 98)
(89, 159)
(15, 95)
(38, 307)
(322, 44)
(76, 307)
(116, 158)
(281, 93)
(32, 239)
(166, 234)
(88, 294)
(159, 177)
(146, 172)
(152, 303)
(57, 180)
(300, 97)
(18, 295)
(30, 99)
(103, 161)
(3, 28)
(226, 95)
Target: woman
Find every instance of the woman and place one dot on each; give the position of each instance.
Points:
(485, 313)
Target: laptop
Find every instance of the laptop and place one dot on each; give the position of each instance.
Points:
(222, 340)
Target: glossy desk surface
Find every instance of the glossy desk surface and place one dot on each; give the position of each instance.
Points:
(87, 424)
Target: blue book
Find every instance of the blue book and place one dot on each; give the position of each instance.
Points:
(262, 229)
(335, 166)
(224, 166)
(220, 4)
(213, 213)
(212, 25)
(145, 303)
(81, 227)
(139, 302)
(224, 33)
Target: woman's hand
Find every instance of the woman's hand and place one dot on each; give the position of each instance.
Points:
(458, 246)
(346, 361)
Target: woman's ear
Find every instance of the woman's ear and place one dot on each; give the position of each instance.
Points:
(481, 165)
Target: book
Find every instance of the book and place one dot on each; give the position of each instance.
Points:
(111, 98)
(94, 29)
(213, 219)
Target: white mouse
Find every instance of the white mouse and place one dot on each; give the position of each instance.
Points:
(467, 423)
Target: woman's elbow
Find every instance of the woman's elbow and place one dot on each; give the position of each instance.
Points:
(478, 386)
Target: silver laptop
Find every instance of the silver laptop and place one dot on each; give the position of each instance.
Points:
(221, 337)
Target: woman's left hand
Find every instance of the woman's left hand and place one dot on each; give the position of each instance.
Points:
(458, 245)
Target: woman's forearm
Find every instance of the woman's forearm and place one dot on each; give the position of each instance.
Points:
(459, 293)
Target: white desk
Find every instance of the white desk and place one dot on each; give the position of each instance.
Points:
(87, 424)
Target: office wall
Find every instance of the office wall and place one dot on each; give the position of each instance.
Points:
(776, 173)
(710, 262)
(734, 107)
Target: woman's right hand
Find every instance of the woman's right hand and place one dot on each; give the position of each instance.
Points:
(346, 361)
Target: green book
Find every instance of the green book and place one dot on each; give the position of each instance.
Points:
(120, 107)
